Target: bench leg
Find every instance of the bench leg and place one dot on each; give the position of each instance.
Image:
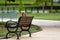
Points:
(7, 35)
(29, 33)
(20, 33)
(17, 35)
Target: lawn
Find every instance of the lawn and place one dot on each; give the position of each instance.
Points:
(44, 16)
(48, 16)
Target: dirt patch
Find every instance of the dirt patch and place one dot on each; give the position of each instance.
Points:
(2, 27)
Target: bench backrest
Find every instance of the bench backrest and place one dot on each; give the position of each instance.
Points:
(25, 21)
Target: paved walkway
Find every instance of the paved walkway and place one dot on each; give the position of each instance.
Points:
(51, 31)
(46, 23)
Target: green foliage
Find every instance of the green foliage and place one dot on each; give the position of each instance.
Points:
(34, 2)
(21, 5)
(2, 23)
(11, 0)
(48, 1)
(37, 2)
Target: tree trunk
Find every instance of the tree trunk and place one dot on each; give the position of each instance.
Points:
(51, 5)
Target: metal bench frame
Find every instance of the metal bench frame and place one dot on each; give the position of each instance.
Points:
(26, 23)
(22, 22)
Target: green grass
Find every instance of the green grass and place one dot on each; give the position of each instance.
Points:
(33, 29)
(48, 16)
(3, 33)
(45, 16)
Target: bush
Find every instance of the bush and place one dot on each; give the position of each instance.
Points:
(2, 23)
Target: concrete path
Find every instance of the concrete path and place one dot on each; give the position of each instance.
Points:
(51, 31)
(46, 23)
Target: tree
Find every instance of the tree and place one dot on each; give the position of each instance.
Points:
(37, 2)
(21, 5)
(41, 1)
(51, 5)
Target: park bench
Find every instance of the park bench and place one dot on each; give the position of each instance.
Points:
(24, 23)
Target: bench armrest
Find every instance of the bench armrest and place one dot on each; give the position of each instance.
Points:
(10, 22)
